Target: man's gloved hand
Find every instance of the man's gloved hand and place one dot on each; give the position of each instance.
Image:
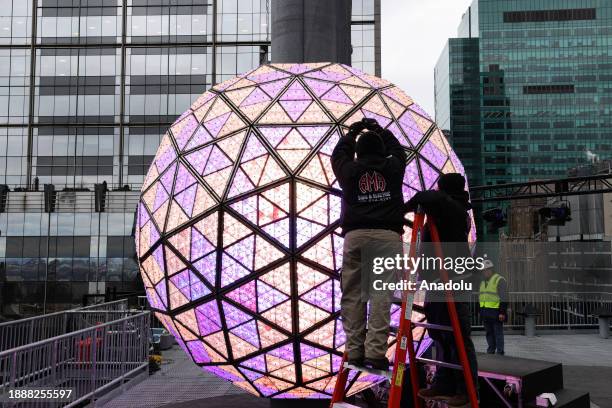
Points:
(355, 129)
(371, 124)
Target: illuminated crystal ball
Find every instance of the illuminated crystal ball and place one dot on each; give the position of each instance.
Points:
(237, 231)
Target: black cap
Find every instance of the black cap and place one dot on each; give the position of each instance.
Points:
(452, 183)
(370, 143)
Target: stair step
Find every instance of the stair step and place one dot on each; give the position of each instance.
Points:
(535, 376)
(382, 373)
(344, 405)
(567, 398)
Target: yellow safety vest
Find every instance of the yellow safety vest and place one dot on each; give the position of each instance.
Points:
(489, 297)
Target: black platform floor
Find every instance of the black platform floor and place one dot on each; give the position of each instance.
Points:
(586, 367)
(247, 401)
(597, 381)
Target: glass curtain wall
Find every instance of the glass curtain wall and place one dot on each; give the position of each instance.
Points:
(87, 89)
(546, 83)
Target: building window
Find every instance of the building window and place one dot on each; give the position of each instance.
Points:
(538, 16)
(548, 89)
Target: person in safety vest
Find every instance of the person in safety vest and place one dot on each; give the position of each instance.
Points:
(493, 297)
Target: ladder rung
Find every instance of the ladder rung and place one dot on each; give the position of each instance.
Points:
(433, 326)
(439, 363)
(395, 329)
(381, 373)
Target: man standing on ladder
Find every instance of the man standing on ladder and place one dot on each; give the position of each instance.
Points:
(370, 168)
(448, 206)
(492, 298)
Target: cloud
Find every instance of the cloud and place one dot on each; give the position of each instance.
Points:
(414, 33)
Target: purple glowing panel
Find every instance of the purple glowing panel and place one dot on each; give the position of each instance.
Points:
(238, 222)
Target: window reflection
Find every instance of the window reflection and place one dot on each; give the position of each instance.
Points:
(97, 114)
(15, 22)
(164, 81)
(14, 86)
(244, 20)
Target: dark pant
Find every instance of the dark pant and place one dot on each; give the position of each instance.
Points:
(494, 330)
(449, 380)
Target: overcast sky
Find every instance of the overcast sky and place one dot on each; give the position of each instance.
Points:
(413, 35)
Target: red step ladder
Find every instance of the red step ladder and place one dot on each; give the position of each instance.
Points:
(405, 341)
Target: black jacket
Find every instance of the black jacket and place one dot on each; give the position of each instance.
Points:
(453, 222)
(449, 212)
(371, 186)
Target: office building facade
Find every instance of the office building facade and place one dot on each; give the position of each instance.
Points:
(546, 71)
(87, 89)
(545, 87)
(457, 102)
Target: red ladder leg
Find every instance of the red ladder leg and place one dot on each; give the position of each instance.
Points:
(340, 387)
(452, 311)
(405, 341)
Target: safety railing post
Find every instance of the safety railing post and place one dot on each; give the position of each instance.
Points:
(94, 367)
(13, 378)
(54, 363)
(123, 350)
(31, 333)
(147, 321)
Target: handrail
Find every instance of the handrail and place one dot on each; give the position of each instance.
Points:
(558, 309)
(118, 301)
(74, 333)
(46, 315)
(19, 332)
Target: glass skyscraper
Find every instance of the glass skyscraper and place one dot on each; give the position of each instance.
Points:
(457, 100)
(545, 87)
(87, 89)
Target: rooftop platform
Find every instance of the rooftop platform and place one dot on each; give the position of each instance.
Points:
(586, 359)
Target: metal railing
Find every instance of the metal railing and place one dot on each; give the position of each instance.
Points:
(554, 310)
(25, 331)
(118, 305)
(71, 201)
(88, 362)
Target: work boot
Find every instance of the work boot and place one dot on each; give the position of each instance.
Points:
(458, 401)
(355, 361)
(377, 363)
(433, 393)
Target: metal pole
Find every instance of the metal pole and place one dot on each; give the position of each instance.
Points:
(123, 349)
(47, 263)
(311, 31)
(98, 254)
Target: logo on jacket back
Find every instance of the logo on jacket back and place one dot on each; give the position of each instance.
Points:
(372, 183)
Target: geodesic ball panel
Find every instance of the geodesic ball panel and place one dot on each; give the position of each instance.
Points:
(237, 225)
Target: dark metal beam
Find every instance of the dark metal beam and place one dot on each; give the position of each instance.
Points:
(597, 184)
(311, 31)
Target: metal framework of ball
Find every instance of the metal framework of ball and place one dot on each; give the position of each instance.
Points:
(237, 226)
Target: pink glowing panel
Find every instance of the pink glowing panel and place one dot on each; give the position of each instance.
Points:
(237, 231)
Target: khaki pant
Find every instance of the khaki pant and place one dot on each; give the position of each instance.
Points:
(354, 310)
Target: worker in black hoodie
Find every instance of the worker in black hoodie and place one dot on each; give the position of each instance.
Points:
(448, 206)
(370, 169)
